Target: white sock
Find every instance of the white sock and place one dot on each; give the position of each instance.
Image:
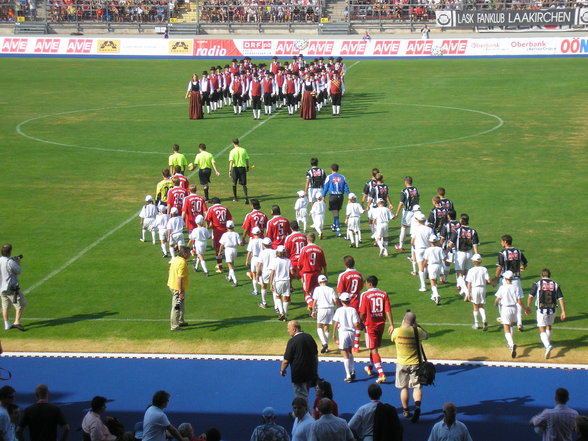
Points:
(279, 304)
(327, 335)
(285, 304)
(548, 332)
(435, 291)
(544, 339)
(203, 265)
(196, 264)
(414, 266)
(232, 275)
(422, 279)
(254, 283)
(509, 339)
(321, 335)
(347, 366)
(519, 315)
(235, 109)
(142, 234)
(476, 318)
(153, 236)
(380, 243)
(263, 296)
(402, 236)
(482, 312)
(163, 248)
(172, 251)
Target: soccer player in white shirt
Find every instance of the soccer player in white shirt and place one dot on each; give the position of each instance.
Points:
(280, 271)
(508, 296)
(346, 321)
(476, 280)
(175, 231)
(301, 209)
(147, 215)
(382, 216)
(353, 212)
(254, 248)
(434, 261)
(317, 213)
(325, 298)
(161, 225)
(229, 241)
(263, 268)
(420, 242)
(416, 209)
(198, 237)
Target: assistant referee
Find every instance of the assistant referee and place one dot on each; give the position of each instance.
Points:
(238, 168)
(204, 162)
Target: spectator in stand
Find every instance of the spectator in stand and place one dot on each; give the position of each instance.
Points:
(449, 428)
(303, 419)
(155, 421)
(43, 418)
(92, 425)
(269, 430)
(329, 427)
(323, 390)
(558, 423)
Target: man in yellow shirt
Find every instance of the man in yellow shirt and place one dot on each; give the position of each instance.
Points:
(204, 162)
(238, 168)
(407, 362)
(178, 281)
(177, 158)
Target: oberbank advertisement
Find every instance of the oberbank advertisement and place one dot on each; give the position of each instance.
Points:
(260, 48)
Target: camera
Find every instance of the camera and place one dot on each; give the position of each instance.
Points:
(19, 257)
(178, 304)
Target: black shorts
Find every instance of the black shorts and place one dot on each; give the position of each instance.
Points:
(204, 175)
(336, 98)
(239, 174)
(335, 202)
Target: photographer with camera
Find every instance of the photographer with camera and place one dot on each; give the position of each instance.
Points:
(10, 287)
(407, 363)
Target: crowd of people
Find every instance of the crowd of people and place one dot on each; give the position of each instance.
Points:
(373, 421)
(299, 85)
(276, 11)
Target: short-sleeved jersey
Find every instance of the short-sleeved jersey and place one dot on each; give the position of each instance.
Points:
(409, 197)
(282, 268)
(421, 235)
(312, 259)
(374, 303)
(434, 255)
(353, 209)
(378, 191)
(464, 238)
(204, 160)
(351, 281)
(239, 157)
(255, 218)
(148, 211)
(511, 259)
(199, 234)
(382, 215)
(367, 188)
(508, 294)
(265, 259)
(255, 246)
(184, 183)
(546, 293)
(175, 225)
(162, 189)
(478, 276)
(405, 342)
(278, 227)
(294, 244)
(316, 177)
(437, 218)
(448, 228)
(446, 203)
(335, 185)
(217, 217)
(347, 317)
(175, 197)
(230, 239)
(194, 205)
(177, 159)
(324, 296)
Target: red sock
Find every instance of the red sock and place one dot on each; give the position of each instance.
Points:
(356, 340)
(378, 363)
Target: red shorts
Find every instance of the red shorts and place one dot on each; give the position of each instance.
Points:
(309, 281)
(295, 269)
(216, 235)
(373, 336)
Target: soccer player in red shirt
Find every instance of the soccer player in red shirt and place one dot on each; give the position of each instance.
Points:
(176, 195)
(184, 183)
(351, 281)
(193, 206)
(278, 227)
(311, 263)
(216, 218)
(374, 309)
(255, 218)
(294, 244)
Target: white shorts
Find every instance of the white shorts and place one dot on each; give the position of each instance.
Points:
(353, 224)
(230, 254)
(199, 247)
(515, 282)
(318, 221)
(463, 260)
(419, 254)
(370, 213)
(406, 218)
(346, 339)
(478, 294)
(176, 239)
(324, 315)
(545, 319)
(148, 223)
(162, 234)
(508, 314)
(314, 193)
(282, 287)
(434, 271)
(265, 277)
(449, 256)
(381, 231)
(254, 262)
(301, 214)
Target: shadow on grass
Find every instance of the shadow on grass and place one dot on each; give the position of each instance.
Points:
(70, 320)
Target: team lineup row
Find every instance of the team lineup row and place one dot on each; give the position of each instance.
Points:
(436, 241)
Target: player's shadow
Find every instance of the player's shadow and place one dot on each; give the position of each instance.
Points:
(220, 325)
(440, 333)
(70, 320)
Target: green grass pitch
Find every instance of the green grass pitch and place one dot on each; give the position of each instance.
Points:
(83, 141)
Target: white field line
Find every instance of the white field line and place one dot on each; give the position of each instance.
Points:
(277, 358)
(118, 227)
